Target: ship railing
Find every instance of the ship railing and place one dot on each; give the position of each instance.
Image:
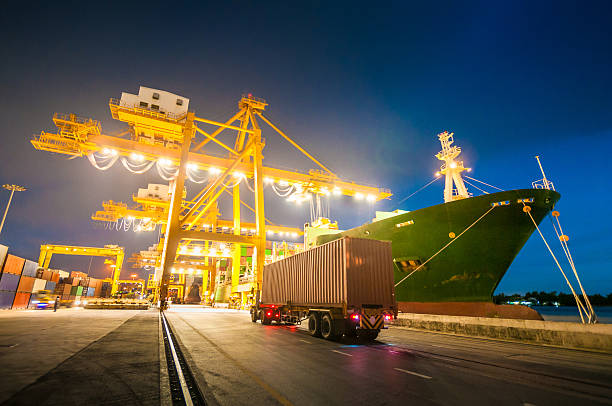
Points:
(543, 184)
(146, 111)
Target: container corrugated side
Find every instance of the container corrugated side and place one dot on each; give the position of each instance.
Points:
(6, 299)
(50, 286)
(26, 283)
(314, 277)
(3, 252)
(332, 274)
(13, 264)
(9, 282)
(22, 299)
(29, 268)
(370, 278)
(39, 284)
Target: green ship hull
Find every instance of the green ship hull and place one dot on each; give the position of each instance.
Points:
(471, 267)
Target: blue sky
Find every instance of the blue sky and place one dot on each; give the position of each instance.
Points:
(366, 89)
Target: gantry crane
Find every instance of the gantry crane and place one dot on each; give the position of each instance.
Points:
(153, 210)
(109, 251)
(163, 132)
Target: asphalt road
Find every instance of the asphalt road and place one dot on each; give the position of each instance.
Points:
(238, 362)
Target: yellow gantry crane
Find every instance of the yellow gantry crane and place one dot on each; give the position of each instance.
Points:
(164, 133)
(153, 210)
(109, 251)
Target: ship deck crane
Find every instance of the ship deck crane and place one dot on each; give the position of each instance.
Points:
(163, 132)
(109, 251)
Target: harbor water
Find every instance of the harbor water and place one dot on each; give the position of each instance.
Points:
(570, 313)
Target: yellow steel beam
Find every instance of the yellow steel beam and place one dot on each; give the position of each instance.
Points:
(218, 131)
(47, 251)
(302, 150)
(211, 189)
(161, 218)
(197, 235)
(172, 239)
(230, 127)
(127, 147)
(251, 209)
(204, 133)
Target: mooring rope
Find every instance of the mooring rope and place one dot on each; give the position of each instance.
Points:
(581, 307)
(563, 240)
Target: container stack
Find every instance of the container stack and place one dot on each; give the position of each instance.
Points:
(9, 279)
(26, 284)
(22, 280)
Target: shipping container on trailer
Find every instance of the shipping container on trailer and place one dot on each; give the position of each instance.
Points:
(6, 299)
(344, 287)
(9, 282)
(55, 276)
(13, 264)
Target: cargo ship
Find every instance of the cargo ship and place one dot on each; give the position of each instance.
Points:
(449, 258)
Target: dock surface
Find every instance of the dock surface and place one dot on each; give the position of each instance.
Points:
(113, 357)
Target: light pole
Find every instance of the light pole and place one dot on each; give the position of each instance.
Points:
(12, 188)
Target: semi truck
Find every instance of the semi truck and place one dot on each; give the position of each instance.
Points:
(342, 288)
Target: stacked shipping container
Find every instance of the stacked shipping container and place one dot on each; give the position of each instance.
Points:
(22, 279)
(9, 279)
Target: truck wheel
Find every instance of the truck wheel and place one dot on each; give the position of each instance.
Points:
(328, 327)
(314, 325)
(254, 315)
(265, 319)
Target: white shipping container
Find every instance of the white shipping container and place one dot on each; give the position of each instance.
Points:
(39, 284)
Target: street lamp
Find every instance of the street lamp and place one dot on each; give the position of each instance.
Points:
(12, 188)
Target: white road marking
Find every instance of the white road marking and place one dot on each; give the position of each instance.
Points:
(443, 358)
(412, 373)
(343, 353)
(307, 342)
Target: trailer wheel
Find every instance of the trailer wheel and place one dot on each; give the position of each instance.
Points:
(266, 320)
(314, 325)
(329, 330)
(254, 315)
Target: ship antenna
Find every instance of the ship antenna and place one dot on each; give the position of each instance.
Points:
(546, 184)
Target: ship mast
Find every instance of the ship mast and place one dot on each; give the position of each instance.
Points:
(454, 188)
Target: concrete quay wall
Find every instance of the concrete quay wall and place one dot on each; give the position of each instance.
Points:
(568, 335)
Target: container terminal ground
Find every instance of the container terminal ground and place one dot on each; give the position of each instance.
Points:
(82, 356)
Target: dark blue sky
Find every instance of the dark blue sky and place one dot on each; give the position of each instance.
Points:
(365, 89)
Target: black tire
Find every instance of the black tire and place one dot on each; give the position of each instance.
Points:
(264, 320)
(254, 315)
(329, 328)
(314, 325)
